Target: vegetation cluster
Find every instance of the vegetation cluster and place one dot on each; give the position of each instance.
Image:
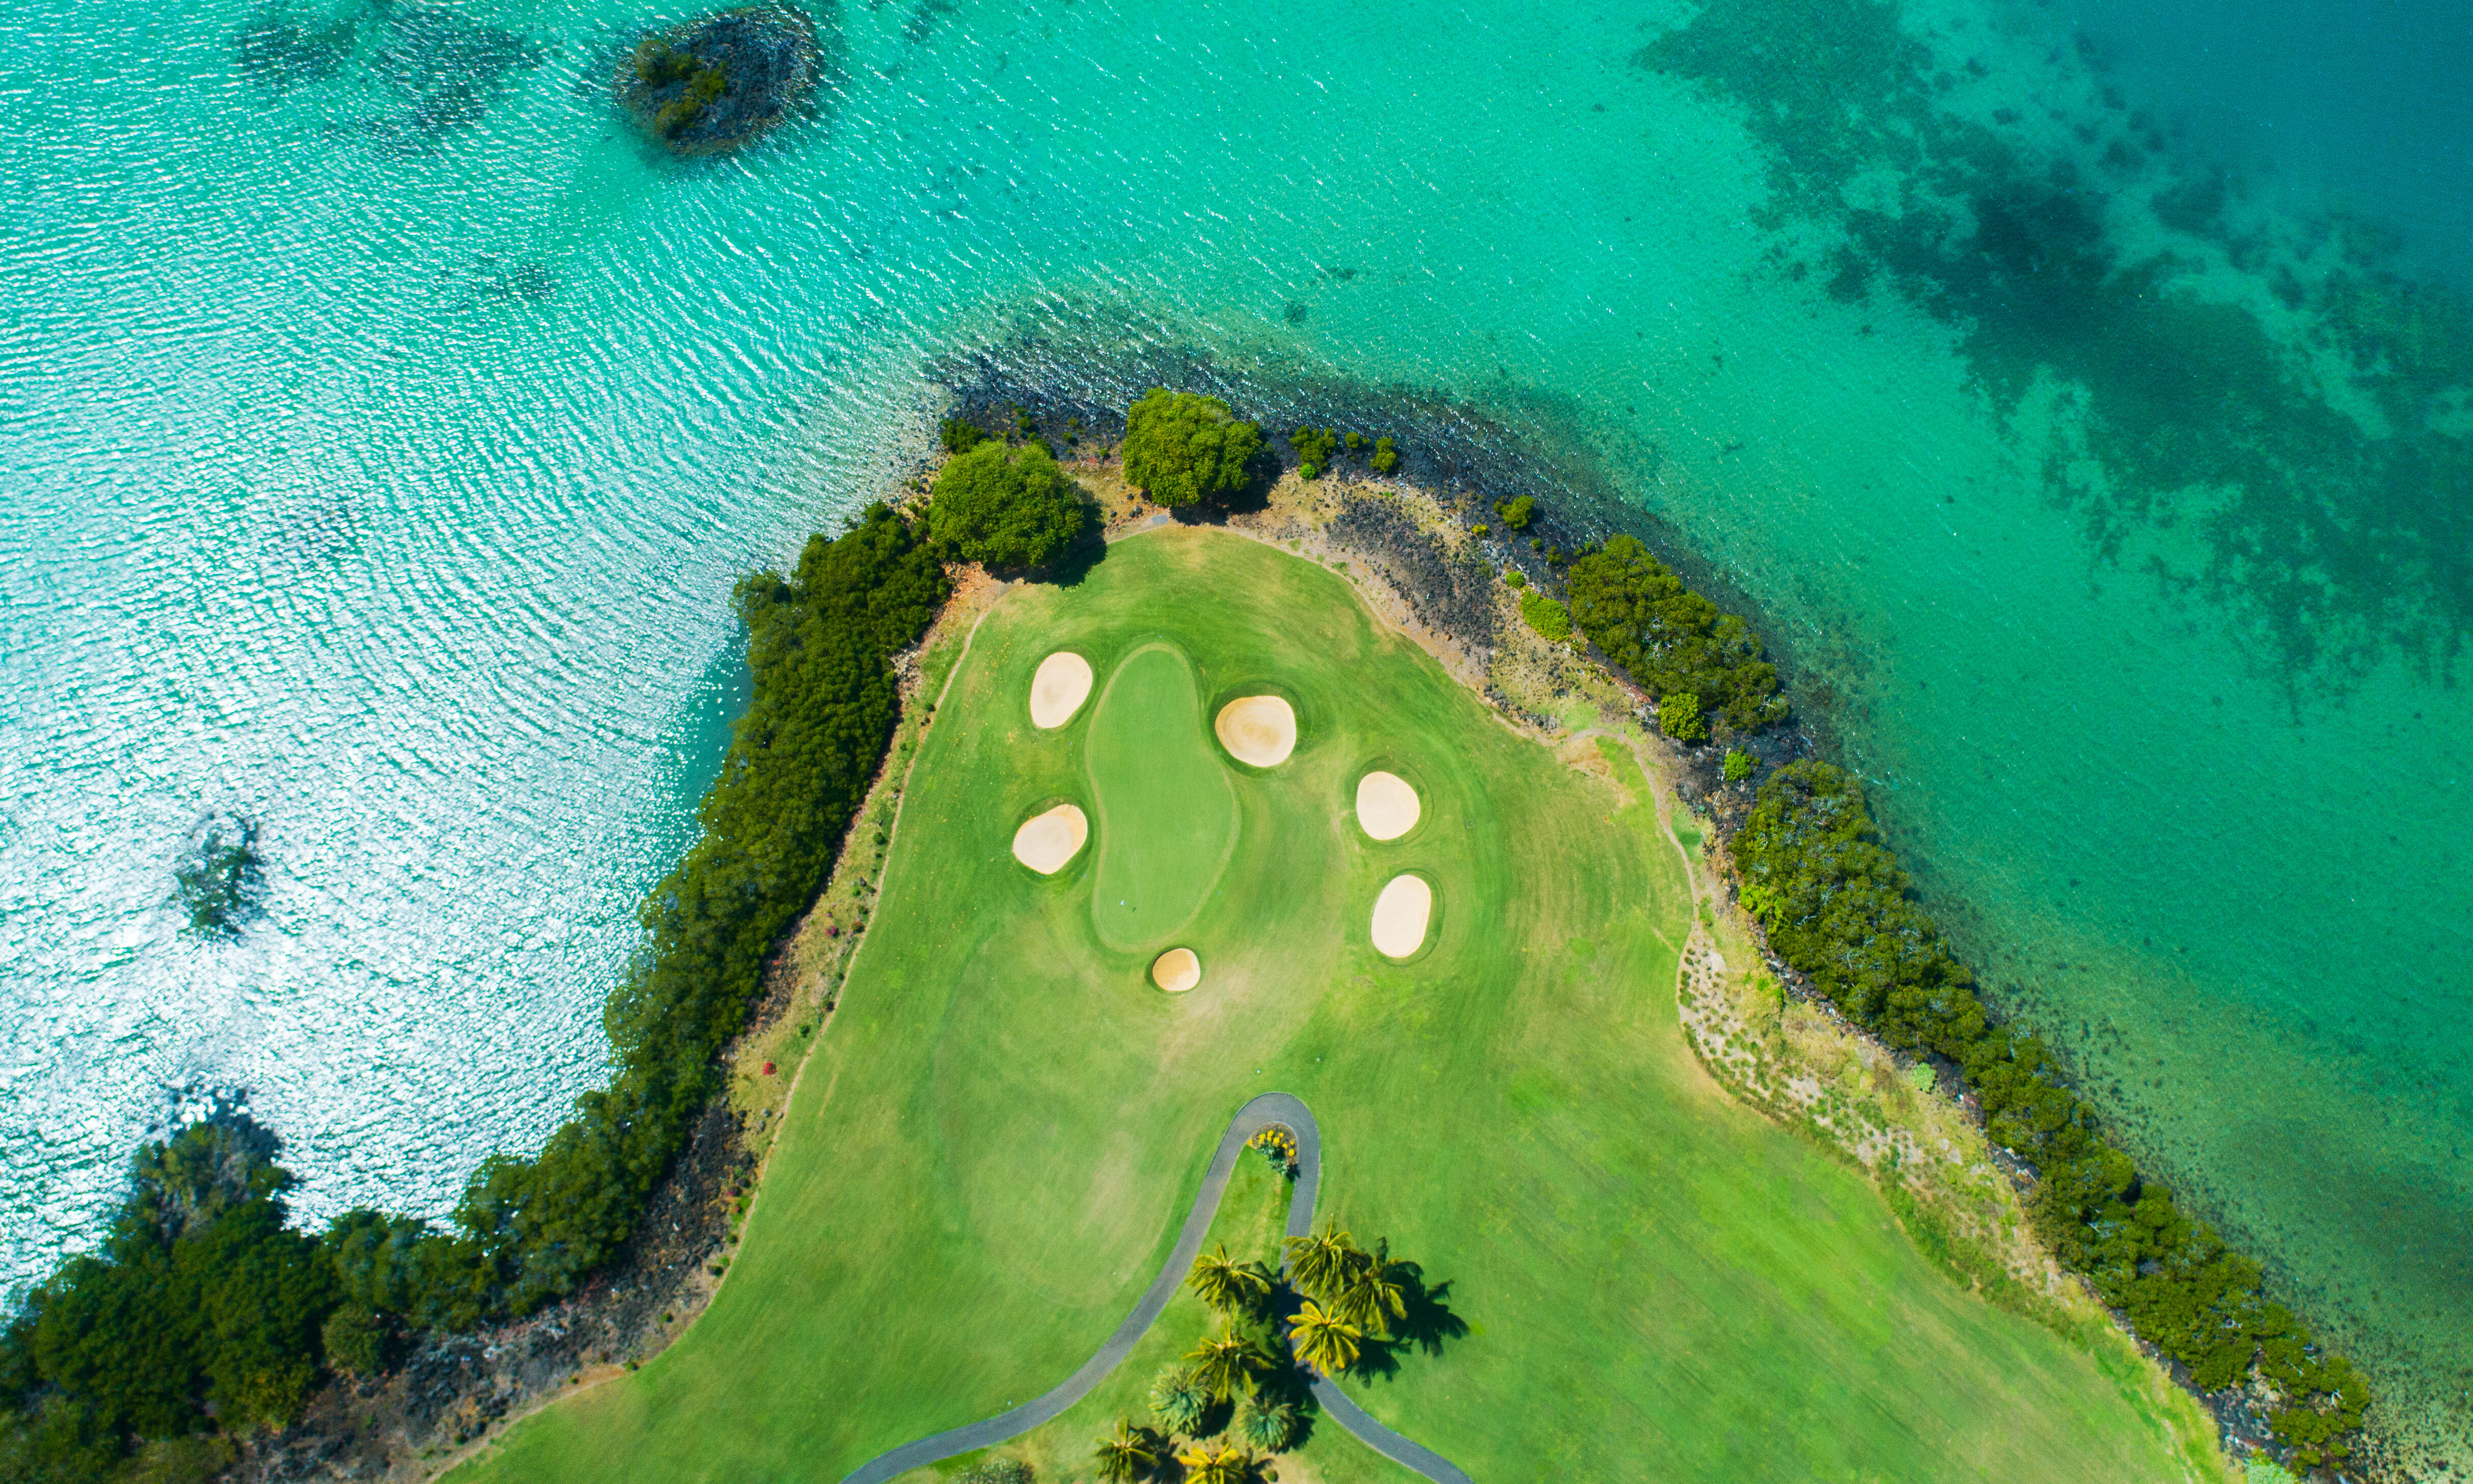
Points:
(1838, 909)
(1550, 619)
(1672, 640)
(1004, 507)
(658, 64)
(1233, 1398)
(1184, 449)
(204, 1309)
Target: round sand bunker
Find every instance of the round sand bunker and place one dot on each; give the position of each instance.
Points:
(1399, 916)
(1045, 841)
(1059, 689)
(1386, 806)
(1258, 730)
(1176, 971)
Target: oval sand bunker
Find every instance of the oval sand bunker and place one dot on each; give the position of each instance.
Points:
(1399, 916)
(1045, 841)
(1386, 806)
(1059, 689)
(1258, 730)
(1176, 971)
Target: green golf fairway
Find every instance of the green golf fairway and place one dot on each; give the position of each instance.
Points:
(1166, 812)
(989, 1154)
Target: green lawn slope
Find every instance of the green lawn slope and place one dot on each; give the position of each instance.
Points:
(989, 1155)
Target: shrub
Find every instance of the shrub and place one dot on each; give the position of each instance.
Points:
(1671, 639)
(958, 436)
(1314, 448)
(1003, 507)
(1480, 532)
(1516, 578)
(1182, 448)
(658, 64)
(995, 1470)
(1544, 616)
(1737, 765)
(1515, 514)
(704, 89)
(1269, 1426)
(1386, 457)
(1178, 1401)
(1355, 442)
(1678, 716)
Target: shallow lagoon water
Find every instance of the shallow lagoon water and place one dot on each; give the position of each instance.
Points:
(382, 425)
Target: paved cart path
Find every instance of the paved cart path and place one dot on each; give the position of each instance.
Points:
(1271, 1107)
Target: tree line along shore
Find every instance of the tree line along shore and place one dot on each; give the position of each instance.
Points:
(204, 1316)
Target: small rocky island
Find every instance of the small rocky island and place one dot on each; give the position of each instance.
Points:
(717, 83)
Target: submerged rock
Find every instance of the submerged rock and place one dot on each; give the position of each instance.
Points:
(222, 883)
(718, 82)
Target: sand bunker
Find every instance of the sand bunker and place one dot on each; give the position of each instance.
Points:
(1045, 841)
(1059, 689)
(1386, 806)
(1258, 730)
(1176, 971)
(1399, 916)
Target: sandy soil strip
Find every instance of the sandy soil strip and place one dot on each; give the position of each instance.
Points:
(1059, 688)
(1386, 806)
(1176, 971)
(1045, 841)
(1399, 916)
(1258, 730)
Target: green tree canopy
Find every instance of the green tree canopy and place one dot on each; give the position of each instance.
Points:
(1182, 447)
(1671, 639)
(1679, 716)
(1004, 507)
(201, 1298)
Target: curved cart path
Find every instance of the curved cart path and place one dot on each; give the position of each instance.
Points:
(1251, 1119)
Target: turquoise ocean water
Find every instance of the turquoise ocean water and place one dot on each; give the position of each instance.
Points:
(381, 427)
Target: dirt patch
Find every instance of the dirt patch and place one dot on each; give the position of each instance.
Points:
(1059, 689)
(1258, 730)
(1045, 841)
(1386, 806)
(1176, 971)
(1399, 916)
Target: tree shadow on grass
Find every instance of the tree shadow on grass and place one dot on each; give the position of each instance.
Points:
(1427, 1324)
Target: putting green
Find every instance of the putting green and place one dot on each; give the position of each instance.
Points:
(989, 1154)
(1167, 814)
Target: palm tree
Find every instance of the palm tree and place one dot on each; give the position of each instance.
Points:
(1179, 1401)
(1227, 1365)
(1373, 1294)
(1225, 1283)
(1269, 1426)
(1319, 1264)
(1225, 1464)
(1324, 1340)
(1129, 1455)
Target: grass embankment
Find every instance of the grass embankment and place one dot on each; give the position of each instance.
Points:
(988, 1157)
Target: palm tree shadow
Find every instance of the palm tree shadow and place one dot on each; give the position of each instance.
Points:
(1426, 1326)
